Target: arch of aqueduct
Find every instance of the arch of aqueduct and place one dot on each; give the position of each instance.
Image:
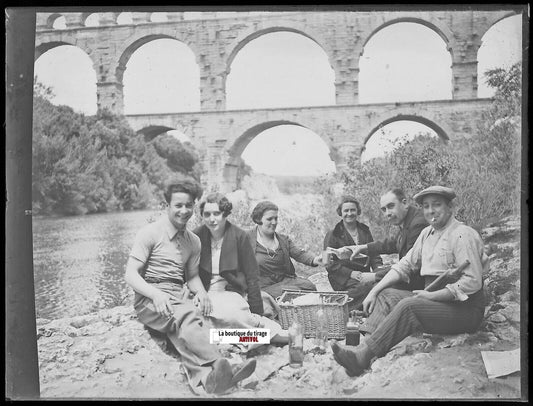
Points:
(221, 135)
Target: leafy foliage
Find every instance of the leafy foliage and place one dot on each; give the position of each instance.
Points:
(484, 169)
(88, 164)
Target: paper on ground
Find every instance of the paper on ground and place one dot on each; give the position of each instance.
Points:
(501, 363)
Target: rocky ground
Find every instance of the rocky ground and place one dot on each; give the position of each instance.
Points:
(110, 355)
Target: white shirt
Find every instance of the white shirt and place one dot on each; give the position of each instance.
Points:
(435, 250)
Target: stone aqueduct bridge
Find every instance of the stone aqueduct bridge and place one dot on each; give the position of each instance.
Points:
(222, 135)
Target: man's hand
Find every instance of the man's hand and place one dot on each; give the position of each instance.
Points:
(162, 303)
(424, 294)
(342, 252)
(357, 250)
(318, 261)
(202, 301)
(369, 302)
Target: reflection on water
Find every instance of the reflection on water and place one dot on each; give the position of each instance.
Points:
(79, 262)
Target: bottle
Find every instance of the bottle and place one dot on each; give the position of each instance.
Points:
(352, 330)
(296, 344)
(322, 330)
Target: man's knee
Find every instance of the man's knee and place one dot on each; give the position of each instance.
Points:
(409, 304)
(387, 295)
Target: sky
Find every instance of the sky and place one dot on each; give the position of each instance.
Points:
(402, 62)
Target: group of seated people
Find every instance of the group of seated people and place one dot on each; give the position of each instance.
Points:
(221, 276)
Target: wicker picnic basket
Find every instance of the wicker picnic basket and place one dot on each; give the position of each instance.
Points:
(334, 305)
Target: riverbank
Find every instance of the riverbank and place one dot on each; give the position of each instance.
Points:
(109, 354)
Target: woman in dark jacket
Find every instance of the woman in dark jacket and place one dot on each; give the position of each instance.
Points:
(344, 274)
(229, 272)
(274, 251)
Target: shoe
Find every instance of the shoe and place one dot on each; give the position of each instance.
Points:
(219, 379)
(347, 359)
(243, 371)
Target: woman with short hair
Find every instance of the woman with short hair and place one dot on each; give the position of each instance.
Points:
(344, 274)
(229, 271)
(274, 251)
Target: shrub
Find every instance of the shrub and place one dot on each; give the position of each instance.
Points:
(484, 170)
(88, 164)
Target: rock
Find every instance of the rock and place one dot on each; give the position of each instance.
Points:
(511, 311)
(82, 321)
(96, 328)
(497, 318)
(452, 341)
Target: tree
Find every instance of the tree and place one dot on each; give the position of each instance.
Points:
(89, 164)
(484, 169)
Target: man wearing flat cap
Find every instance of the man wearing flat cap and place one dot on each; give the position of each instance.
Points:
(455, 306)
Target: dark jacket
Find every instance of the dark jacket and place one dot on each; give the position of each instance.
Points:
(404, 239)
(290, 250)
(339, 271)
(237, 264)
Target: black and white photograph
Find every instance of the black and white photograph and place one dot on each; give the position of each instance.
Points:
(267, 203)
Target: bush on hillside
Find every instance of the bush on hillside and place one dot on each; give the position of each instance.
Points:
(484, 169)
(90, 164)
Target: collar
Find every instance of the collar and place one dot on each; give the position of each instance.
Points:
(411, 212)
(259, 238)
(229, 250)
(172, 230)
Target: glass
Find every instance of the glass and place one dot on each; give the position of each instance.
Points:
(296, 345)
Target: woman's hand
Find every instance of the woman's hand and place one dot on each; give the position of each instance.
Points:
(202, 301)
(369, 302)
(162, 303)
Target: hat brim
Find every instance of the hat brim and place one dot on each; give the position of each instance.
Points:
(419, 197)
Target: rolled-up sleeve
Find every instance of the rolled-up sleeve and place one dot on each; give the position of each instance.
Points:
(468, 246)
(410, 263)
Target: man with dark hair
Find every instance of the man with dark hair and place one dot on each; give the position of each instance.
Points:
(165, 255)
(448, 304)
(410, 221)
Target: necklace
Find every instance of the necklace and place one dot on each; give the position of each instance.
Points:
(270, 245)
(216, 244)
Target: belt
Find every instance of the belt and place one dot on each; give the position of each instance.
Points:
(171, 280)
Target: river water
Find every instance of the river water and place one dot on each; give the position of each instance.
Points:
(79, 261)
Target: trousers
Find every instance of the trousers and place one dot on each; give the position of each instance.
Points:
(231, 310)
(185, 329)
(397, 314)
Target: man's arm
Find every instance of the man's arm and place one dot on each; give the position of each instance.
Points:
(196, 286)
(399, 271)
(134, 279)
(373, 248)
(388, 280)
